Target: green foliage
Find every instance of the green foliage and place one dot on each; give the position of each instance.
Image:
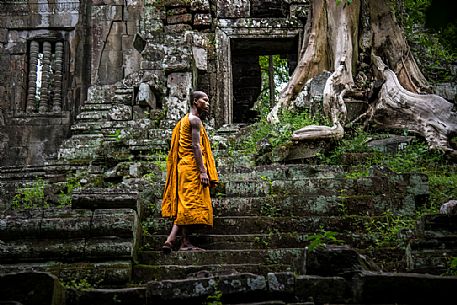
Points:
(275, 134)
(436, 48)
(117, 135)
(386, 231)
(280, 76)
(80, 284)
(321, 239)
(452, 269)
(214, 299)
(355, 142)
(30, 197)
(338, 2)
(65, 195)
(415, 157)
(443, 187)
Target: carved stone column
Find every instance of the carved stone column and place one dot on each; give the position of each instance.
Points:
(44, 96)
(33, 62)
(57, 99)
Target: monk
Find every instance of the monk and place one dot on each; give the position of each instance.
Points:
(191, 171)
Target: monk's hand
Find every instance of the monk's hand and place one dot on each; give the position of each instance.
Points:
(204, 178)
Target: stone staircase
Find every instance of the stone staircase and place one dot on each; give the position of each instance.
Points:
(435, 245)
(263, 218)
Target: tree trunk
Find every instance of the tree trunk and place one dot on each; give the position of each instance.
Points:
(333, 39)
(428, 114)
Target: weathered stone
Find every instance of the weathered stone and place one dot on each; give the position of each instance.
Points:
(202, 20)
(124, 296)
(391, 143)
(3, 35)
(146, 96)
(200, 58)
(120, 113)
(200, 5)
(281, 283)
(233, 9)
(323, 290)
(195, 289)
(104, 199)
(177, 28)
(337, 261)
(403, 288)
(177, 19)
(31, 288)
(449, 208)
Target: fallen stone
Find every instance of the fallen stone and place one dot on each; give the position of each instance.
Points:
(31, 288)
(449, 208)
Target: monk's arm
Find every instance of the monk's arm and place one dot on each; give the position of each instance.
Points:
(196, 148)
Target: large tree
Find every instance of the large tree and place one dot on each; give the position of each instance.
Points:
(360, 39)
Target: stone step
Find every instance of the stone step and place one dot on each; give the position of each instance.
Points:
(86, 127)
(438, 225)
(99, 198)
(234, 242)
(399, 184)
(265, 224)
(67, 250)
(164, 134)
(289, 171)
(84, 140)
(146, 273)
(96, 107)
(289, 256)
(251, 241)
(432, 255)
(313, 204)
(48, 172)
(91, 116)
(68, 223)
(307, 205)
(116, 273)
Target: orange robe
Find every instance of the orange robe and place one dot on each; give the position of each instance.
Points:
(185, 198)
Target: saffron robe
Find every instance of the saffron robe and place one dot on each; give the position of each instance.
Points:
(185, 199)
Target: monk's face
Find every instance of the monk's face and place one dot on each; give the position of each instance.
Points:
(202, 104)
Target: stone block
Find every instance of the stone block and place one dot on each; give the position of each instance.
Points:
(233, 9)
(176, 11)
(3, 35)
(178, 19)
(202, 20)
(180, 85)
(200, 58)
(324, 290)
(403, 288)
(200, 6)
(32, 288)
(231, 286)
(107, 13)
(104, 199)
(145, 96)
(177, 28)
(281, 283)
(120, 113)
(176, 3)
(122, 296)
(337, 261)
(118, 222)
(177, 108)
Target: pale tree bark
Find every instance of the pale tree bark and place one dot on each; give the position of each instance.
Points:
(429, 115)
(332, 42)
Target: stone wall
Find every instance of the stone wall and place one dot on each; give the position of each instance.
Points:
(53, 51)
